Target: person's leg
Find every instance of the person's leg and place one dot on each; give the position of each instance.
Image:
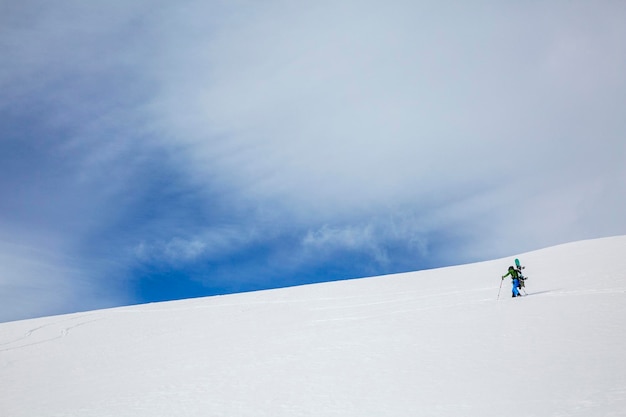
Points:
(515, 290)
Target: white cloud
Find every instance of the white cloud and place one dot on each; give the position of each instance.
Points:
(331, 107)
(209, 244)
(329, 238)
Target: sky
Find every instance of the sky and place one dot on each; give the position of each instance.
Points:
(152, 151)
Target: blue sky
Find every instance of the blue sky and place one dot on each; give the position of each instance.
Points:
(152, 151)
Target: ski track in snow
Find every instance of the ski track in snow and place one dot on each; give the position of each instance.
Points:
(49, 333)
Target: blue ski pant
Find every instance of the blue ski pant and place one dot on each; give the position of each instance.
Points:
(515, 285)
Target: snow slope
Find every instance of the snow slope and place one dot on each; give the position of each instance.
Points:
(429, 343)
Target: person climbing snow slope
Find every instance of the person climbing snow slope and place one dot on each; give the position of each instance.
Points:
(515, 281)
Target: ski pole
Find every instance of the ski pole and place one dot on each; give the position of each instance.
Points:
(501, 281)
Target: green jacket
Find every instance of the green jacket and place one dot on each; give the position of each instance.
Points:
(513, 273)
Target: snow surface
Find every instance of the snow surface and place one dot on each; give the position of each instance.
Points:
(429, 343)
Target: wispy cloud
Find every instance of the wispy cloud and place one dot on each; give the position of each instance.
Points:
(361, 106)
(209, 245)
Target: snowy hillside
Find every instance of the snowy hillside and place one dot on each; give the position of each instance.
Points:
(430, 343)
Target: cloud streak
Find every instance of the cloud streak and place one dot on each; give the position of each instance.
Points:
(347, 113)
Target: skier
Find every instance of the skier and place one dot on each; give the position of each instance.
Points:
(515, 280)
